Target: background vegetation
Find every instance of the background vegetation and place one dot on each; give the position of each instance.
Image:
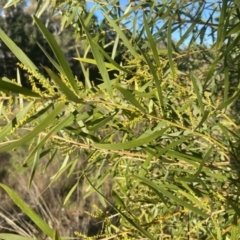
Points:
(137, 114)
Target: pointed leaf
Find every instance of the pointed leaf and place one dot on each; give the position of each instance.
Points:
(121, 35)
(7, 85)
(99, 60)
(130, 144)
(28, 211)
(130, 97)
(134, 223)
(63, 87)
(22, 57)
(57, 52)
(21, 115)
(160, 190)
(39, 128)
(151, 41)
(169, 47)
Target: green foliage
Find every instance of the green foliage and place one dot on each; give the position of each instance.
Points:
(168, 139)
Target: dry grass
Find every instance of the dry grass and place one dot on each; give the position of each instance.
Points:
(46, 200)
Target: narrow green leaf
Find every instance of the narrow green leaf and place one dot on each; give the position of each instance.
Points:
(65, 165)
(151, 41)
(121, 35)
(28, 211)
(99, 60)
(130, 97)
(55, 235)
(206, 157)
(229, 102)
(211, 70)
(145, 165)
(111, 65)
(234, 29)
(21, 115)
(204, 118)
(99, 123)
(129, 10)
(11, 3)
(227, 131)
(50, 159)
(186, 157)
(63, 123)
(73, 167)
(169, 47)
(134, 222)
(22, 57)
(40, 128)
(58, 53)
(221, 26)
(186, 34)
(193, 199)
(185, 106)
(160, 190)
(198, 94)
(130, 144)
(85, 72)
(118, 200)
(34, 166)
(73, 14)
(115, 46)
(217, 228)
(7, 86)
(54, 63)
(156, 80)
(230, 47)
(226, 83)
(172, 145)
(63, 87)
(70, 193)
(90, 16)
(44, 5)
(234, 233)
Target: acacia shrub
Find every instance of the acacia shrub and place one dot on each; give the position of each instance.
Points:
(173, 159)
